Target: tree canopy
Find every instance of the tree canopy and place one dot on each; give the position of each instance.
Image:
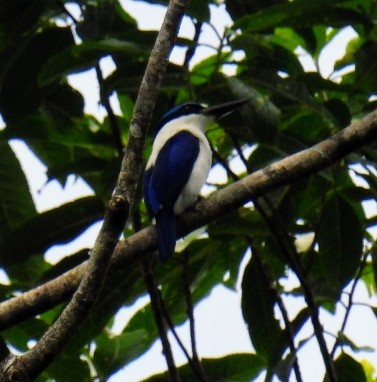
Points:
(297, 201)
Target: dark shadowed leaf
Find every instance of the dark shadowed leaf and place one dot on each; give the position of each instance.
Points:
(258, 302)
(340, 238)
(20, 93)
(121, 288)
(16, 201)
(19, 336)
(67, 263)
(347, 369)
(78, 58)
(300, 14)
(69, 367)
(113, 352)
(59, 225)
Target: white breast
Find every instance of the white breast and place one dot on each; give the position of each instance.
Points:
(196, 125)
(198, 177)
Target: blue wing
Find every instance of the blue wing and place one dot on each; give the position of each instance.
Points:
(163, 183)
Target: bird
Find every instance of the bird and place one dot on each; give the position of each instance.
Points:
(179, 165)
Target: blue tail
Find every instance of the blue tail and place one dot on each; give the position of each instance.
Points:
(165, 222)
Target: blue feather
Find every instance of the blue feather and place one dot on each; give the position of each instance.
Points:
(164, 181)
(166, 231)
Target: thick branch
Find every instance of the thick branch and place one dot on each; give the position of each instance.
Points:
(32, 363)
(158, 61)
(219, 203)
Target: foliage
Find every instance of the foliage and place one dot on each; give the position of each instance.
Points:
(291, 109)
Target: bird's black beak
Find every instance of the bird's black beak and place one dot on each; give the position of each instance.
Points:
(223, 109)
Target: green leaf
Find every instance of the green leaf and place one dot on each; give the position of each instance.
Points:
(340, 111)
(67, 263)
(262, 54)
(27, 274)
(78, 58)
(261, 115)
(59, 225)
(346, 341)
(306, 126)
(231, 368)
(210, 260)
(199, 9)
(300, 14)
(19, 336)
(67, 368)
(347, 369)
(113, 352)
(143, 321)
(202, 72)
(340, 239)
(20, 94)
(258, 302)
(366, 65)
(16, 201)
(374, 265)
(121, 288)
(30, 14)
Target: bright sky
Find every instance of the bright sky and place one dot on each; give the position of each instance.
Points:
(220, 326)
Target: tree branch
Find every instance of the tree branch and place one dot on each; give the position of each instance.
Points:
(133, 160)
(131, 250)
(28, 366)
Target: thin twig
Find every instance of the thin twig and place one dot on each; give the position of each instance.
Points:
(190, 310)
(191, 362)
(190, 54)
(190, 313)
(158, 314)
(191, 50)
(113, 121)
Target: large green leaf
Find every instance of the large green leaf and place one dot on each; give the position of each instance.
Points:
(301, 14)
(260, 116)
(143, 322)
(122, 288)
(340, 241)
(67, 368)
(258, 302)
(113, 352)
(19, 336)
(78, 58)
(347, 369)
(16, 201)
(209, 261)
(19, 91)
(231, 368)
(59, 225)
(11, 12)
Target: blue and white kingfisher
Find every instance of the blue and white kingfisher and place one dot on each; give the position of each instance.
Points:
(179, 165)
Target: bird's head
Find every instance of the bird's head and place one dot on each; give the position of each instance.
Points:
(199, 114)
